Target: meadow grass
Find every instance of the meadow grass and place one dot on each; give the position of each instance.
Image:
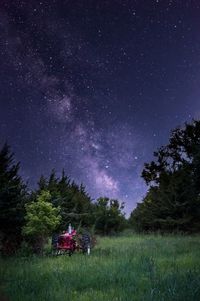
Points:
(138, 268)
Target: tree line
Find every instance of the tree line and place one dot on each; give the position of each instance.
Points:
(172, 203)
(56, 202)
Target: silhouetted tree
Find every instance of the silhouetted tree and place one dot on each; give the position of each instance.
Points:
(172, 203)
(12, 200)
(109, 217)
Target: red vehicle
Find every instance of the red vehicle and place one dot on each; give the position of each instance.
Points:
(68, 243)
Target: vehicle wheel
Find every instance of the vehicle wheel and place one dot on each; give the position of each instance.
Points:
(70, 253)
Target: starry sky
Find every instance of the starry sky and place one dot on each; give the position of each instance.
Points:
(96, 86)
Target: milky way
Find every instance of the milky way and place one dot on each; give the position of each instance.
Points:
(95, 87)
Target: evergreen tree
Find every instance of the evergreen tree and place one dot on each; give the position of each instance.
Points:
(42, 183)
(74, 202)
(12, 199)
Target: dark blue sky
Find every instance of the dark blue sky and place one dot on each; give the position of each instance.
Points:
(96, 86)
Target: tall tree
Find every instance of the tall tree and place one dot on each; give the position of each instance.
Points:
(12, 199)
(172, 203)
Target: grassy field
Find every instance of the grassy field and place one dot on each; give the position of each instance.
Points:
(124, 268)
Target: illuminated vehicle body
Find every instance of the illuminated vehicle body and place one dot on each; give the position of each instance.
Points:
(68, 243)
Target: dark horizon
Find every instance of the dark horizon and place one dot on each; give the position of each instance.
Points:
(95, 88)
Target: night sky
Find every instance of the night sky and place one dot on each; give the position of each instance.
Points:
(96, 86)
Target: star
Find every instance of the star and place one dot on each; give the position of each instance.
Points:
(96, 90)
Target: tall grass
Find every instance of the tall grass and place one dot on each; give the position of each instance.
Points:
(138, 268)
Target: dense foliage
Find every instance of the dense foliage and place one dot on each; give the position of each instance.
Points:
(12, 199)
(108, 216)
(173, 200)
(75, 204)
(42, 218)
(34, 215)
